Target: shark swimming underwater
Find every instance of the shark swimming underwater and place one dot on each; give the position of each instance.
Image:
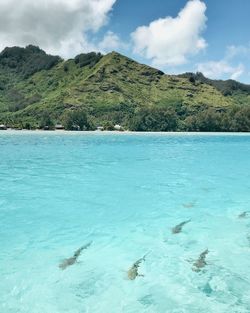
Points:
(200, 262)
(243, 214)
(178, 228)
(70, 261)
(132, 273)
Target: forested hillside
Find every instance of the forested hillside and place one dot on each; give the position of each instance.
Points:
(39, 90)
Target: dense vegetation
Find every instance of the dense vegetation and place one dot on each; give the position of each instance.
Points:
(88, 59)
(39, 91)
(226, 87)
(27, 61)
(235, 119)
(76, 120)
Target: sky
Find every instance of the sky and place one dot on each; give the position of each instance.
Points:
(176, 36)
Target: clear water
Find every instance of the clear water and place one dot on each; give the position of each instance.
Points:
(124, 193)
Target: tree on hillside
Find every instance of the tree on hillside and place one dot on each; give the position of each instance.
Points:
(76, 120)
(46, 121)
(154, 119)
(206, 120)
(90, 59)
(241, 120)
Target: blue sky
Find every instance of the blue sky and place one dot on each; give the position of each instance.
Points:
(227, 26)
(173, 35)
(228, 20)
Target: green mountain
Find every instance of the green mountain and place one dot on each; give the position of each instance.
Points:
(240, 92)
(38, 90)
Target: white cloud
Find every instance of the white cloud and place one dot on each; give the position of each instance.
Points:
(237, 51)
(218, 69)
(58, 26)
(169, 41)
(230, 66)
(110, 41)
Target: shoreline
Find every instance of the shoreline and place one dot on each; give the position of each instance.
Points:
(122, 133)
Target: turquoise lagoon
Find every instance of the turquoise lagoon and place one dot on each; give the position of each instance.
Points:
(124, 192)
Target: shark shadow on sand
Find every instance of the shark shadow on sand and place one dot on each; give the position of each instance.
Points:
(189, 205)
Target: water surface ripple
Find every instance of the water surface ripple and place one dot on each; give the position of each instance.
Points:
(125, 193)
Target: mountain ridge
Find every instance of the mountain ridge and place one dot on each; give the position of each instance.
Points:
(111, 89)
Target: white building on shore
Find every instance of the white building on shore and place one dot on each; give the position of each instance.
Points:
(3, 127)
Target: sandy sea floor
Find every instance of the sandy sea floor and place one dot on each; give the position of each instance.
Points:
(124, 192)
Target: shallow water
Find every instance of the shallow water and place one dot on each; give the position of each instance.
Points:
(124, 192)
